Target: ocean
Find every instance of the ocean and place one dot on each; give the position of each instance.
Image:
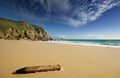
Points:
(91, 42)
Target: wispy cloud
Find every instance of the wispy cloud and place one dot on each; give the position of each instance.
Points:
(73, 12)
(59, 36)
(103, 7)
(93, 36)
(98, 36)
(91, 11)
(86, 36)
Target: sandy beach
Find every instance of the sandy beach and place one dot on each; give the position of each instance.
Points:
(77, 61)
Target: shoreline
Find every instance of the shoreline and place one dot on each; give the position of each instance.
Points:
(83, 44)
(69, 43)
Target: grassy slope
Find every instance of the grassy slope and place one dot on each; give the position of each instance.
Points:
(19, 25)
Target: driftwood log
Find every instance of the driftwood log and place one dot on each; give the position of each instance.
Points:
(42, 68)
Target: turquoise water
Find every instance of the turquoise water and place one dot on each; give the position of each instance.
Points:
(100, 42)
(92, 42)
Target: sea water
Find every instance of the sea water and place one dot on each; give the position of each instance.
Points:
(92, 42)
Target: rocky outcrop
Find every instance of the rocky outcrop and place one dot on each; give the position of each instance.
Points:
(16, 30)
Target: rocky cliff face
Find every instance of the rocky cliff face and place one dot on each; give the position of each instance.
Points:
(16, 30)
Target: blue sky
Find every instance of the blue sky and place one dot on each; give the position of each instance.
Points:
(81, 19)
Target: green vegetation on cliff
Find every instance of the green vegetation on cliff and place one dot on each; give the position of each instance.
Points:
(16, 30)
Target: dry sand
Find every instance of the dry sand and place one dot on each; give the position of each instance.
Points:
(77, 61)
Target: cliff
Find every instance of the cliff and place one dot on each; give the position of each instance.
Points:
(16, 30)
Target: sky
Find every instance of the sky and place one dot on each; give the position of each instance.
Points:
(69, 19)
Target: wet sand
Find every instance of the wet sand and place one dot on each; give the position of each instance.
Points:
(78, 61)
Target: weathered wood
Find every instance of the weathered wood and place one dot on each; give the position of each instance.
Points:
(42, 68)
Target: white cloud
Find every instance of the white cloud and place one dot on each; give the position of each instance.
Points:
(60, 36)
(50, 5)
(99, 36)
(87, 12)
(63, 11)
(106, 5)
(86, 36)
(98, 8)
(74, 22)
(80, 14)
(93, 36)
